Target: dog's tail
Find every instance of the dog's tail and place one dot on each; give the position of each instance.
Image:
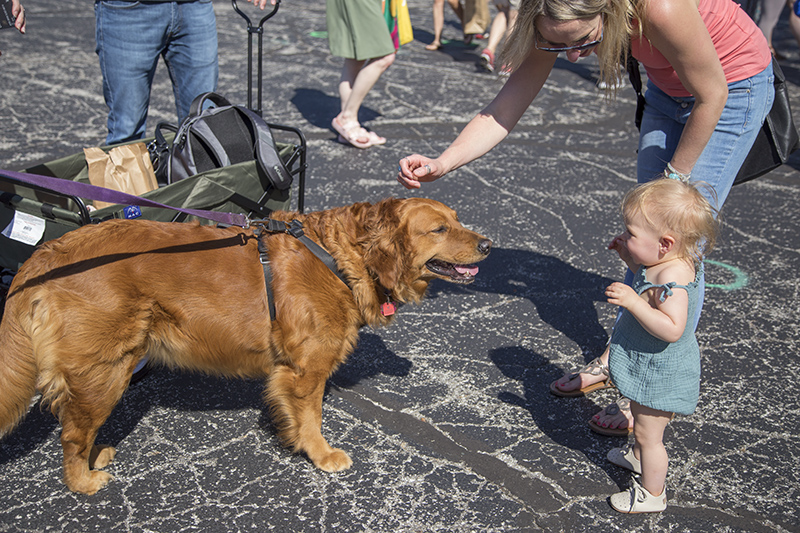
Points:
(17, 373)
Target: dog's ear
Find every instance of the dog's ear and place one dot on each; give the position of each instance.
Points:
(386, 250)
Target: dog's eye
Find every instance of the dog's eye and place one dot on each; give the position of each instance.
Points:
(440, 229)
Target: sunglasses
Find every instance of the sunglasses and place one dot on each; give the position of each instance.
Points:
(578, 47)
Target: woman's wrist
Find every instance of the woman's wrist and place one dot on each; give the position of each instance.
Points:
(671, 173)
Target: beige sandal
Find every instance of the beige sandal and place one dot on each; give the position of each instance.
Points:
(620, 406)
(595, 368)
(351, 132)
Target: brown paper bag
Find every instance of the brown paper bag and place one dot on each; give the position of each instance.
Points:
(476, 16)
(125, 168)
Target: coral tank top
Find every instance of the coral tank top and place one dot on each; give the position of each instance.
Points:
(740, 45)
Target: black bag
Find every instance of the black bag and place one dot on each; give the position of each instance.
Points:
(216, 137)
(751, 7)
(777, 139)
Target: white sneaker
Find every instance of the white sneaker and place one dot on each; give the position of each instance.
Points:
(638, 499)
(624, 457)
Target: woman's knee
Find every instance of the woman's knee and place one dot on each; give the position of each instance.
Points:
(385, 61)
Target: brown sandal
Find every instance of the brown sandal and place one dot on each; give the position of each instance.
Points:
(595, 368)
(621, 405)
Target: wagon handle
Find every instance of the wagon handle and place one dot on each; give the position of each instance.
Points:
(251, 29)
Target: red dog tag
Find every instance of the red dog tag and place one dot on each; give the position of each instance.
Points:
(388, 309)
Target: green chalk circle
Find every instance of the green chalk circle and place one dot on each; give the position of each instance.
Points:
(740, 279)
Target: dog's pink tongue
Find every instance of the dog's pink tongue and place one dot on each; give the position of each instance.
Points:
(463, 269)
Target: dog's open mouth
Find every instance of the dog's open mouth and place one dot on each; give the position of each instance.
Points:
(453, 272)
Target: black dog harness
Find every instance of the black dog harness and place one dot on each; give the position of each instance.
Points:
(295, 229)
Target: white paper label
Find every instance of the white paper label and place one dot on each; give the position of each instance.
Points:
(25, 228)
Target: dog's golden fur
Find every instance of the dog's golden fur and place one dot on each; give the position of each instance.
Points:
(85, 309)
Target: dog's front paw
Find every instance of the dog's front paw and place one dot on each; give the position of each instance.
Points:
(335, 461)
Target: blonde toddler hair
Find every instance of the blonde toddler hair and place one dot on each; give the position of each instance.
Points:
(677, 208)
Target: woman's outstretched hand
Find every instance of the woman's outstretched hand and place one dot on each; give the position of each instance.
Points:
(414, 169)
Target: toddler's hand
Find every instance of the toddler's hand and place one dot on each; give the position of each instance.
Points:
(618, 244)
(620, 294)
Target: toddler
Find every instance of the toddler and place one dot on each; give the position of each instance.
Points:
(654, 357)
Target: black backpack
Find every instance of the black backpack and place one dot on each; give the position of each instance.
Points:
(216, 137)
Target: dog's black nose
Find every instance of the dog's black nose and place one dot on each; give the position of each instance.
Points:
(484, 246)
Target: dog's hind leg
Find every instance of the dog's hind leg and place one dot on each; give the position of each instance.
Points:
(82, 415)
(101, 456)
(295, 400)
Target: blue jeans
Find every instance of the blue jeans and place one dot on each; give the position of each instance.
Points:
(131, 36)
(749, 102)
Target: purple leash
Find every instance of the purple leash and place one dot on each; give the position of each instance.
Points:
(93, 192)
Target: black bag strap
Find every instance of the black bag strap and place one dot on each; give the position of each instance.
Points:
(295, 229)
(197, 104)
(159, 149)
(266, 152)
(210, 140)
(161, 141)
(636, 82)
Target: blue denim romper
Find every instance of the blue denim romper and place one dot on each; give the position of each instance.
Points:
(652, 372)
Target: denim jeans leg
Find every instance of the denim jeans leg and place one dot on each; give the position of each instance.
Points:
(191, 54)
(749, 102)
(129, 38)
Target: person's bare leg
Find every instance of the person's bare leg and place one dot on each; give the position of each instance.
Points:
(458, 9)
(649, 446)
(346, 116)
(770, 13)
(438, 25)
(365, 79)
(498, 29)
(357, 80)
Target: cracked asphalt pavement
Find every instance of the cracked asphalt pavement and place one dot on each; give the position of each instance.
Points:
(446, 414)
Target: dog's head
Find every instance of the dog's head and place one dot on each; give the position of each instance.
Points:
(416, 240)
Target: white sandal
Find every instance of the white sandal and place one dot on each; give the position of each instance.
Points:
(638, 499)
(624, 457)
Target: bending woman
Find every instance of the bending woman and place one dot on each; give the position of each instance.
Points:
(710, 85)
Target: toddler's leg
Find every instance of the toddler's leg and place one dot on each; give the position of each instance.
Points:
(648, 429)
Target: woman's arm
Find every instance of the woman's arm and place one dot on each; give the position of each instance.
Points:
(675, 28)
(488, 128)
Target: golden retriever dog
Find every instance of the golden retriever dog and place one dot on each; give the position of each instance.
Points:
(87, 307)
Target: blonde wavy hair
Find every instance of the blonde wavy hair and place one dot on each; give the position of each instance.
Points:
(618, 29)
(677, 208)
